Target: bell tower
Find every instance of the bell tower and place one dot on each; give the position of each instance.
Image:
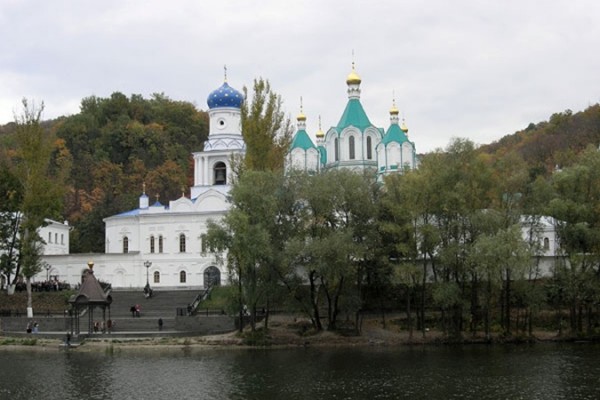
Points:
(212, 167)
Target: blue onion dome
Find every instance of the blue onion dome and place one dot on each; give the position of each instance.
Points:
(225, 96)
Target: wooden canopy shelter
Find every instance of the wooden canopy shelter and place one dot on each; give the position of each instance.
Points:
(90, 296)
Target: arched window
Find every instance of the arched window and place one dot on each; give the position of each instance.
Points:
(351, 148)
(156, 276)
(220, 173)
(546, 243)
(152, 244)
(160, 244)
(125, 244)
(182, 277)
(182, 243)
(336, 149)
(369, 148)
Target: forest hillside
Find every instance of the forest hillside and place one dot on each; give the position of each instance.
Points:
(116, 145)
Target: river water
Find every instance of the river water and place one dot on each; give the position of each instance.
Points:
(547, 371)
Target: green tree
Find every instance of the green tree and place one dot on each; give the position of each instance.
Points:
(500, 257)
(11, 197)
(461, 180)
(42, 188)
(337, 241)
(407, 222)
(252, 235)
(575, 209)
(267, 131)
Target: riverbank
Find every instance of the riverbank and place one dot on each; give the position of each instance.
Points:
(284, 332)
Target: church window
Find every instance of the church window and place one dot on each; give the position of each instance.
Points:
(49, 237)
(220, 173)
(182, 277)
(152, 244)
(182, 243)
(336, 150)
(546, 243)
(156, 277)
(351, 148)
(125, 244)
(56, 238)
(160, 244)
(62, 238)
(369, 148)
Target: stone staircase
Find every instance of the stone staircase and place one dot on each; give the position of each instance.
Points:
(163, 304)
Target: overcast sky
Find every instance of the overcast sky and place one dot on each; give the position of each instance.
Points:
(469, 69)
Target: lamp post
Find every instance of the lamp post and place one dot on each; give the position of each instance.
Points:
(47, 266)
(147, 264)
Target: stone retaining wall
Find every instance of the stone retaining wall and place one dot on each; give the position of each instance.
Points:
(205, 325)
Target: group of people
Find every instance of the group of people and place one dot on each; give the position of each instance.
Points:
(32, 327)
(147, 291)
(52, 285)
(101, 326)
(135, 310)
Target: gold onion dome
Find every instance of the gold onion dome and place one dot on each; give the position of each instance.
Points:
(320, 133)
(404, 127)
(353, 77)
(394, 110)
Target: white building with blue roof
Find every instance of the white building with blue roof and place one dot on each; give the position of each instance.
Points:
(162, 243)
(354, 143)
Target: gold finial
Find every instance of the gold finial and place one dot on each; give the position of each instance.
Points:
(91, 265)
(225, 72)
(182, 191)
(301, 116)
(157, 197)
(353, 77)
(404, 127)
(144, 187)
(394, 110)
(320, 133)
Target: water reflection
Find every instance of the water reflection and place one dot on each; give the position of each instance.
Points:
(473, 372)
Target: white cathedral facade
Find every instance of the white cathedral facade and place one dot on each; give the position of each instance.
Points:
(354, 143)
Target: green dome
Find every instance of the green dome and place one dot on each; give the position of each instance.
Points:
(302, 141)
(394, 134)
(354, 115)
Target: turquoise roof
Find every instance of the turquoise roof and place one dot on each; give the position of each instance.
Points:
(394, 134)
(302, 141)
(354, 115)
(323, 154)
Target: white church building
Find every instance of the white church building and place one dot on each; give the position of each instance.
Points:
(354, 143)
(162, 244)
